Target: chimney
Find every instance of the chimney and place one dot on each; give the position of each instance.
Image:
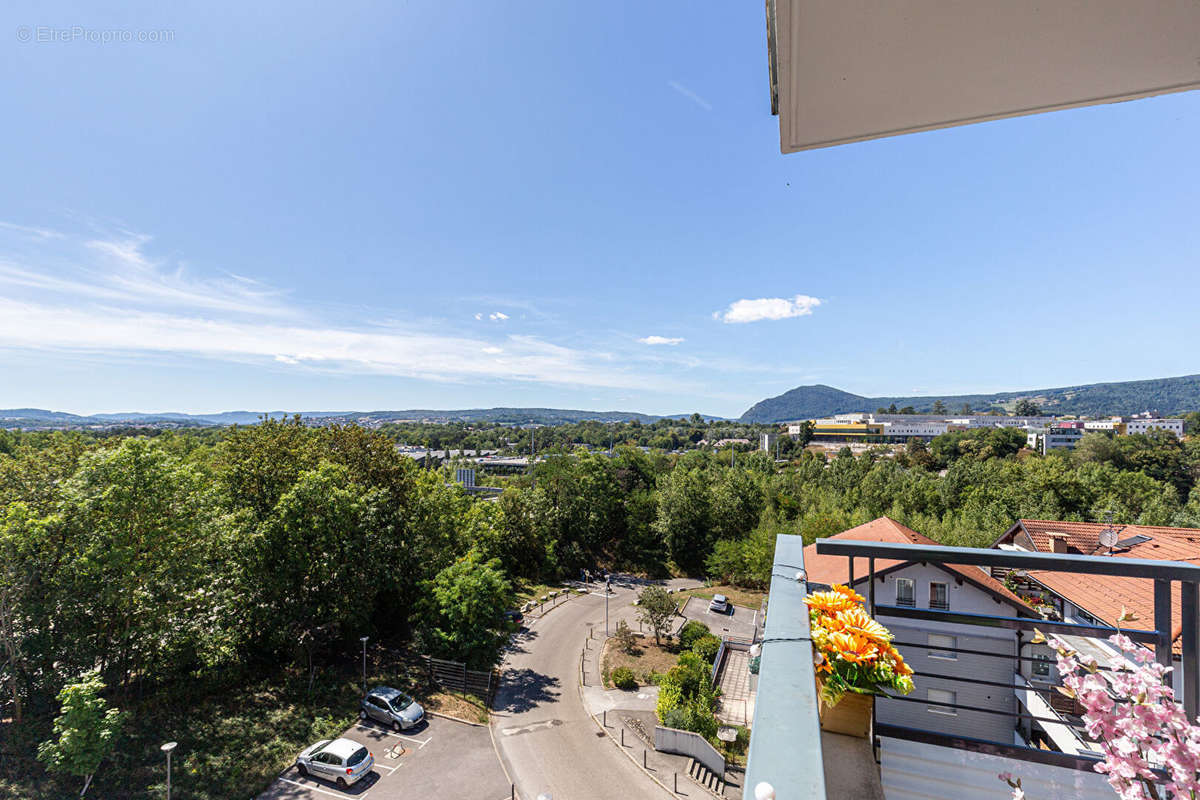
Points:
(1058, 542)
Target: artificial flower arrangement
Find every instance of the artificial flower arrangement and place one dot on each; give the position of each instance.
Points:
(854, 653)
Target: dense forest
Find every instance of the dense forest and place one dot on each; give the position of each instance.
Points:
(169, 572)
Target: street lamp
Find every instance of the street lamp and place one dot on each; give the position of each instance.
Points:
(607, 589)
(167, 748)
(364, 644)
(764, 791)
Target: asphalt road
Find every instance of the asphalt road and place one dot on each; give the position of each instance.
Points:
(543, 734)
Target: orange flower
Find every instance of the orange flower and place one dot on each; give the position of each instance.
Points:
(846, 591)
(900, 666)
(860, 622)
(854, 648)
(829, 602)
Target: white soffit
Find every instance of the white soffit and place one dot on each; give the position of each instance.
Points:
(850, 70)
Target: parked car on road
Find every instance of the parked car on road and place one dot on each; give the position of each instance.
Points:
(339, 761)
(720, 604)
(392, 707)
(515, 617)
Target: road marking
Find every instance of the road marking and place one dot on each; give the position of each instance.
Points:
(389, 769)
(318, 788)
(550, 723)
(421, 742)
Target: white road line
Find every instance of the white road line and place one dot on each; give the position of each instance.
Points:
(318, 789)
(421, 742)
(389, 769)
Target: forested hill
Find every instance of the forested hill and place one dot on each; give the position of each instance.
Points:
(1164, 395)
(37, 417)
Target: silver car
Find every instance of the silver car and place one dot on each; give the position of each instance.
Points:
(720, 605)
(340, 761)
(392, 707)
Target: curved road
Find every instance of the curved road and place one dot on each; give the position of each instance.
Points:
(543, 733)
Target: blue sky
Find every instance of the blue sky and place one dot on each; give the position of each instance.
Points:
(449, 204)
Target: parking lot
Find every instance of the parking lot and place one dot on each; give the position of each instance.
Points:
(740, 624)
(439, 758)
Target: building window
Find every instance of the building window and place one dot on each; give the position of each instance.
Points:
(1041, 667)
(941, 641)
(905, 592)
(939, 597)
(942, 696)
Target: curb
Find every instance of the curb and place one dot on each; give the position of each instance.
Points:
(458, 719)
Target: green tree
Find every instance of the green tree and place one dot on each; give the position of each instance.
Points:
(464, 611)
(85, 731)
(684, 518)
(656, 609)
(1026, 408)
(939, 407)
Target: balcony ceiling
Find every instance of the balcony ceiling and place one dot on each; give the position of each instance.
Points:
(850, 70)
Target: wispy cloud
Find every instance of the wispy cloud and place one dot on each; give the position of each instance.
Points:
(690, 95)
(768, 308)
(671, 340)
(110, 296)
(117, 269)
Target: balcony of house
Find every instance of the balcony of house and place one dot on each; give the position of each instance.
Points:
(985, 698)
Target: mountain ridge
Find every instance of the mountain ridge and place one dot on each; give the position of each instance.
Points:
(38, 417)
(1163, 395)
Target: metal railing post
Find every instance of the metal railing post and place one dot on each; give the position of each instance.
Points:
(871, 587)
(1162, 621)
(1189, 611)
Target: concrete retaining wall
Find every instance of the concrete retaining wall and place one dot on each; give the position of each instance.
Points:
(686, 743)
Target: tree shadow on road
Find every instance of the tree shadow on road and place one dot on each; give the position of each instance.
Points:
(519, 641)
(524, 690)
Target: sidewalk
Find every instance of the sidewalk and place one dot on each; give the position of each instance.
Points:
(670, 770)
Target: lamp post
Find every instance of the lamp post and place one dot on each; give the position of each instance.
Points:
(364, 644)
(764, 791)
(167, 748)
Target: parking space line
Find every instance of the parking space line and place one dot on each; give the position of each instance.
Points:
(318, 788)
(421, 742)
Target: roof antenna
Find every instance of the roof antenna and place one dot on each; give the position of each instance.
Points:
(1108, 535)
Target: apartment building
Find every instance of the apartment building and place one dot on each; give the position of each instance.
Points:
(971, 660)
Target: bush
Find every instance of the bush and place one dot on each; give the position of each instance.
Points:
(706, 647)
(690, 632)
(624, 638)
(622, 678)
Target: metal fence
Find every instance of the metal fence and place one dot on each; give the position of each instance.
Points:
(455, 676)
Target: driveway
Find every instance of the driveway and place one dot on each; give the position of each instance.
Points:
(440, 758)
(543, 733)
(740, 624)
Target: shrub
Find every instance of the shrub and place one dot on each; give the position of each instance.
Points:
(622, 678)
(624, 638)
(690, 632)
(706, 647)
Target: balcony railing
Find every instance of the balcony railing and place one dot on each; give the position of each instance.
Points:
(1059, 731)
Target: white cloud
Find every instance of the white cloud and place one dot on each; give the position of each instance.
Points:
(768, 308)
(492, 351)
(497, 316)
(690, 95)
(479, 316)
(671, 340)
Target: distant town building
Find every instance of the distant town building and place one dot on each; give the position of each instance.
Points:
(767, 442)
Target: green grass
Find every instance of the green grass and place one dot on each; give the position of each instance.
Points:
(532, 592)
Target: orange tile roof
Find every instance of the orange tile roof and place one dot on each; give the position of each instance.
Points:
(1105, 596)
(829, 569)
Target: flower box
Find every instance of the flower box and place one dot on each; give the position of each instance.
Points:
(850, 717)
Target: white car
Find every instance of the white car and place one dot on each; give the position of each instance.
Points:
(339, 761)
(720, 605)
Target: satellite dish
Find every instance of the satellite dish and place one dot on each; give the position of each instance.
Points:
(1108, 538)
